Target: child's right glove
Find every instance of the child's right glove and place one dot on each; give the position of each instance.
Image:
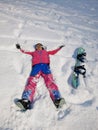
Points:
(18, 46)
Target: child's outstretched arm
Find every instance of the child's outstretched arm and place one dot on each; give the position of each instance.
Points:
(56, 50)
(23, 51)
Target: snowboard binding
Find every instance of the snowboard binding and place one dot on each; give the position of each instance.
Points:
(81, 57)
(80, 70)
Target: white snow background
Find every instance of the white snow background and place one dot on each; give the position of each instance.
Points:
(73, 23)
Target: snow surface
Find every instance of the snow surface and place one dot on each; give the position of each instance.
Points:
(73, 23)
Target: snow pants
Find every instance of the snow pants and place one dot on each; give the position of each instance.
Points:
(30, 87)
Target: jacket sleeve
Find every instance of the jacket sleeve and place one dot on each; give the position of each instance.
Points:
(53, 52)
(25, 52)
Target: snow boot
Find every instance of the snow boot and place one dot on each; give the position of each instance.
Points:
(59, 102)
(23, 104)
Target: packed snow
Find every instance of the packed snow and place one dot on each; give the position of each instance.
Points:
(52, 23)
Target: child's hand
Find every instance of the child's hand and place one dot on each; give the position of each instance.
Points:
(18, 46)
(61, 46)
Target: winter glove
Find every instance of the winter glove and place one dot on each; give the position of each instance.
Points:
(18, 46)
(61, 46)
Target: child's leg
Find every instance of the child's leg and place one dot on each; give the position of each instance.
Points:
(29, 91)
(52, 87)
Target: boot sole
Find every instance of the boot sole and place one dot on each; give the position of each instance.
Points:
(62, 102)
(20, 106)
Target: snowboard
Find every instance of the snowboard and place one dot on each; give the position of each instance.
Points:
(79, 67)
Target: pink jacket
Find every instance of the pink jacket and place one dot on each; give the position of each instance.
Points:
(41, 56)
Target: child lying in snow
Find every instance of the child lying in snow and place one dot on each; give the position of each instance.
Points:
(40, 67)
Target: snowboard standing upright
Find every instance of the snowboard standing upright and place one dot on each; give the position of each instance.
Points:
(79, 67)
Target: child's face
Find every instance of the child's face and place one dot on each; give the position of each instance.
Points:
(38, 47)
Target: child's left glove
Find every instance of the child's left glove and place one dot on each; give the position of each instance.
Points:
(61, 46)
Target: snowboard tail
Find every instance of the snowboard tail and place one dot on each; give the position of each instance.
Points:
(75, 80)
